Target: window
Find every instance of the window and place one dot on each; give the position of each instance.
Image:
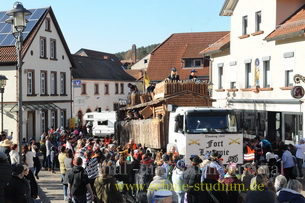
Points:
(220, 77)
(63, 118)
(122, 88)
(197, 63)
(258, 21)
(188, 63)
(84, 91)
(106, 89)
(96, 89)
(288, 78)
(62, 83)
(30, 82)
(43, 82)
(145, 61)
(232, 85)
(267, 76)
(52, 49)
(43, 121)
(53, 83)
(116, 88)
(47, 24)
(54, 119)
(43, 47)
(248, 78)
(245, 25)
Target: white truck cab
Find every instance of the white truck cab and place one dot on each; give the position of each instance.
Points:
(199, 130)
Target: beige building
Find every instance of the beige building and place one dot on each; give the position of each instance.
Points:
(46, 76)
(253, 66)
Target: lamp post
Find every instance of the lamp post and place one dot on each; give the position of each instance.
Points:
(18, 22)
(3, 80)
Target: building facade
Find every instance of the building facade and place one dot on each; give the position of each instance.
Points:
(46, 76)
(253, 68)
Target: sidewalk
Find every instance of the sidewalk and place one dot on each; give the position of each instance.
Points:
(50, 188)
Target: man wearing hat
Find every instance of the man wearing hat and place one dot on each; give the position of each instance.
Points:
(16, 188)
(193, 75)
(213, 170)
(6, 147)
(299, 155)
(191, 177)
(174, 75)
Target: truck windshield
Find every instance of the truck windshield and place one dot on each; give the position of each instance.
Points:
(201, 123)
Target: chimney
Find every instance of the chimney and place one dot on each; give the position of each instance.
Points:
(134, 53)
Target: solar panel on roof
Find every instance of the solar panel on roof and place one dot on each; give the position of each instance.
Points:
(6, 37)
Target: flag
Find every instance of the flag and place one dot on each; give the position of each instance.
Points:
(146, 79)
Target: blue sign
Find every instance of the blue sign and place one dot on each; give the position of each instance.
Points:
(77, 83)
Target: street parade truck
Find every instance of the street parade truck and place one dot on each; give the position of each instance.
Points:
(180, 114)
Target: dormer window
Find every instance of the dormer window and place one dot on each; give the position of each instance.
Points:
(192, 63)
(258, 21)
(47, 24)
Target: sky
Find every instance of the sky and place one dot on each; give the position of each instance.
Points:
(114, 26)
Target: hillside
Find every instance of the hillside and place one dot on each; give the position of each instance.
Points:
(141, 52)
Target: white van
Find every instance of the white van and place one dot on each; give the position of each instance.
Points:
(102, 122)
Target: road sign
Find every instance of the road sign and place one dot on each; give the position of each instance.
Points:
(77, 83)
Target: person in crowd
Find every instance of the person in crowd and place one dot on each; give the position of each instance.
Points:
(265, 146)
(37, 163)
(292, 193)
(261, 194)
(53, 158)
(300, 155)
(292, 149)
(191, 176)
(249, 151)
(174, 75)
(131, 144)
(105, 187)
(43, 151)
(143, 177)
(193, 75)
(288, 164)
(14, 155)
(28, 157)
(48, 145)
(6, 147)
(280, 182)
(160, 182)
(32, 187)
(214, 157)
(79, 182)
(177, 180)
(262, 170)
(68, 166)
(158, 159)
(232, 182)
(92, 167)
(6, 174)
(107, 140)
(163, 196)
(62, 168)
(16, 188)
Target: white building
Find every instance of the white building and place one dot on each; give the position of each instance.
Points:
(253, 66)
(46, 75)
(99, 83)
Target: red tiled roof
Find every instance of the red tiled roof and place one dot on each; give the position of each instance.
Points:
(180, 45)
(292, 26)
(137, 74)
(218, 46)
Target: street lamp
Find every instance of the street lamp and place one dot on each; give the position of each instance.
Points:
(210, 87)
(3, 80)
(18, 22)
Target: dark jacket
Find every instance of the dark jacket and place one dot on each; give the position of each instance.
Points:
(78, 179)
(174, 77)
(16, 191)
(33, 183)
(291, 196)
(191, 176)
(5, 176)
(106, 190)
(234, 183)
(206, 197)
(265, 196)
